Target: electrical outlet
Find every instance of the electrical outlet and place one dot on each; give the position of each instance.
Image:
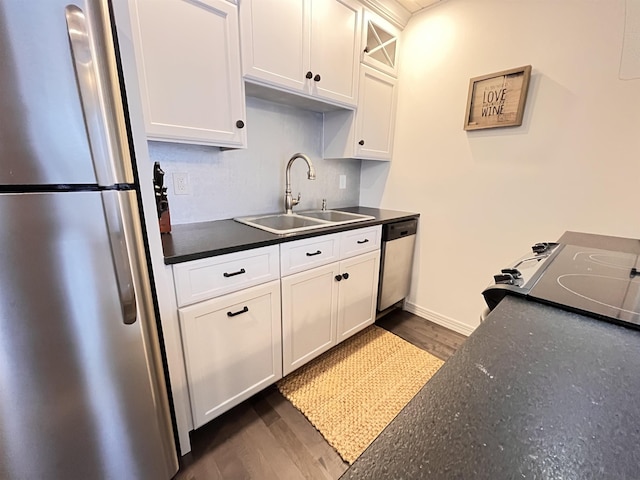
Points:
(181, 184)
(343, 182)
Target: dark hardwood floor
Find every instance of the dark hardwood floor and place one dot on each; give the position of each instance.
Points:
(438, 341)
(266, 438)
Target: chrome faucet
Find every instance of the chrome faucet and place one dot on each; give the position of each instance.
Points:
(289, 201)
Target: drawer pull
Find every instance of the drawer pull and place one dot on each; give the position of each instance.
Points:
(363, 241)
(313, 254)
(233, 274)
(233, 314)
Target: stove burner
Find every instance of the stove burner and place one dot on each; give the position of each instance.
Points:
(600, 285)
(615, 260)
(595, 282)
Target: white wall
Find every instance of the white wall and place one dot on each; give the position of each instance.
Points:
(486, 196)
(229, 183)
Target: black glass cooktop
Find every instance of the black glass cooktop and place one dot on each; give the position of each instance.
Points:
(601, 283)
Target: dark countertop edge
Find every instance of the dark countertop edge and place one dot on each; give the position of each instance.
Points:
(245, 242)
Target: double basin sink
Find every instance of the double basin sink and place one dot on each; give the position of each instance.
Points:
(281, 223)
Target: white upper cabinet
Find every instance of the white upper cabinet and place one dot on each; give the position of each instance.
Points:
(188, 59)
(335, 45)
(380, 43)
(375, 118)
(368, 132)
(274, 48)
(306, 47)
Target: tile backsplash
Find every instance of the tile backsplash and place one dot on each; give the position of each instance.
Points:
(231, 183)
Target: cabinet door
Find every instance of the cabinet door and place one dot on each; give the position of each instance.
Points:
(335, 49)
(380, 42)
(357, 293)
(188, 58)
(375, 118)
(309, 303)
(275, 43)
(232, 347)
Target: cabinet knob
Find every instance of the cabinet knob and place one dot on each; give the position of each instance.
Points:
(361, 142)
(366, 49)
(240, 124)
(316, 78)
(309, 75)
(345, 276)
(338, 277)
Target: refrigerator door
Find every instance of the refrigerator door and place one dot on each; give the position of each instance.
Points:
(60, 95)
(79, 386)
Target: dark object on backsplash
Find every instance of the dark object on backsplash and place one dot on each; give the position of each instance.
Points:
(162, 203)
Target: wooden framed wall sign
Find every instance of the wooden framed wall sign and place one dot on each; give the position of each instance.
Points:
(497, 99)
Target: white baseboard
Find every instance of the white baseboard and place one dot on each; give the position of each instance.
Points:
(434, 317)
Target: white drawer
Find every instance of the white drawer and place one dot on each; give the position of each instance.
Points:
(211, 277)
(312, 252)
(362, 240)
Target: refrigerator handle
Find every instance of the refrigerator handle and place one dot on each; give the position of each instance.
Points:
(93, 54)
(117, 206)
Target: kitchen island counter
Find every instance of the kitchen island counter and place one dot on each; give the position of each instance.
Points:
(208, 239)
(535, 392)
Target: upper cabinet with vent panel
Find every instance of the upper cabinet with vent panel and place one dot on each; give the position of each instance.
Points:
(380, 40)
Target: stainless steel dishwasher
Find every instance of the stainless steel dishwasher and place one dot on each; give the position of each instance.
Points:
(398, 241)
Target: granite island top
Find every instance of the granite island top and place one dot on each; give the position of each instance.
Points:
(207, 239)
(535, 392)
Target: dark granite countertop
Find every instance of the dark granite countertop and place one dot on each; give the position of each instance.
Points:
(535, 392)
(201, 240)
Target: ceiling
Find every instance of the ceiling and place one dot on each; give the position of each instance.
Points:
(415, 5)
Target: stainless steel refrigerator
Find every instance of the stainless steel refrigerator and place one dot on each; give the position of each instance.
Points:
(82, 388)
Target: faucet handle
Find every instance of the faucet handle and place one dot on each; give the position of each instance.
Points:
(295, 201)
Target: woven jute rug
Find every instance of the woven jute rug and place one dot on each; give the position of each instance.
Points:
(352, 392)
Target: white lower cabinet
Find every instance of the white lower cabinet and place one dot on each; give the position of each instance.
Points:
(239, 337)
(323, 306)
(232, 348)
(309, 315)
(358, 294)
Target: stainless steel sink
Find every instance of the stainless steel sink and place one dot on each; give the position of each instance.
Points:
(280, 223)
(283, 222)
(335, 216)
